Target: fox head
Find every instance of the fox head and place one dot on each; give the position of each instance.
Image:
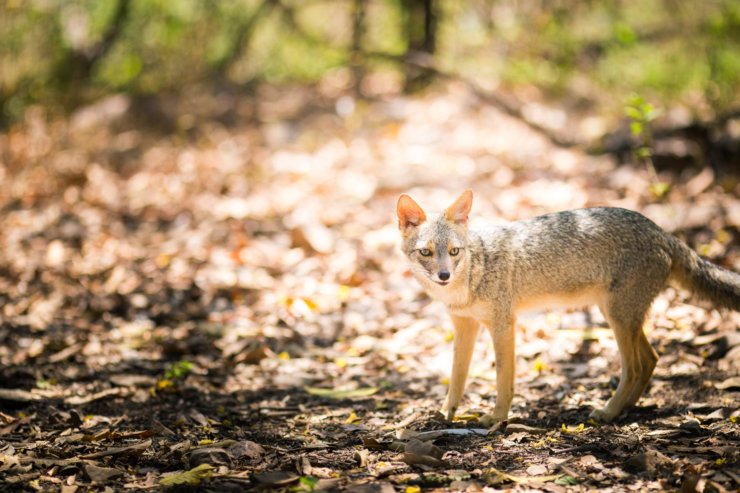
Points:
(436, 244)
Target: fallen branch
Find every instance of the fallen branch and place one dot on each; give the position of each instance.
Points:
(426, 62)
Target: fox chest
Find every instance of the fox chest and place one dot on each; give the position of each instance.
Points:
(457, 301)
(477, 311)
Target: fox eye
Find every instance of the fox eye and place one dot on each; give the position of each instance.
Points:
(425, 252)
(454, 251)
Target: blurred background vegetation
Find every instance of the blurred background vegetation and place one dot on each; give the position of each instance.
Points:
(589, 54)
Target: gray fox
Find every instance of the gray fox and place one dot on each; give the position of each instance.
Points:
(614, 258)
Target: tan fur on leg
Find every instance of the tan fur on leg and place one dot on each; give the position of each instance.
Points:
(502, 333)
(466, 332)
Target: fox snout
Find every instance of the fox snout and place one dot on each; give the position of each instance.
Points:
(443, 275)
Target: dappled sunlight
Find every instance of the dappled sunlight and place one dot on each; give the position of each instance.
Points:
(274, 269)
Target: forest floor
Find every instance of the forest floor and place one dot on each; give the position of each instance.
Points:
(206, 293)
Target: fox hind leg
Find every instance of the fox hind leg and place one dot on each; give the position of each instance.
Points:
(638, 359)
(648, 359)
(502, 332)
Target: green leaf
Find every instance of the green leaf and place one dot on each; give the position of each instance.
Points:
(307, 483)
(635, 99)
(566, 480)
(660, 189)
(624, 34)
(649, 112)
(179, 370)
(636, 128)
(633, 113)
(643, 152)
(192, 477)
(341, 394)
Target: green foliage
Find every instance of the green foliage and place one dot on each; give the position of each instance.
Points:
(624, 35)
(671, 51)
(723, 56)
(305, 483)
(120, 69)
(173, 376)
(641, 114)
(566, 480)
(292, 58)
(668, 50)
(179, 370)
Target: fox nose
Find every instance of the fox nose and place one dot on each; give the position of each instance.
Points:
(443, 275)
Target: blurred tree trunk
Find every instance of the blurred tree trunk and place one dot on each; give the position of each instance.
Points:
(75, 67)
(421, 29)
(4, 116)
(357, 61)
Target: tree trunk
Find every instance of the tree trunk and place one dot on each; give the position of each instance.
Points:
(73, 71)
(357, 61)
(421, 31)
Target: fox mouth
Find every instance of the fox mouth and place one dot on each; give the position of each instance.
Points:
(442, 283)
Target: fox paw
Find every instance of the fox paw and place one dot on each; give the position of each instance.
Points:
(602, 416)
(489, 420)
(449, 414)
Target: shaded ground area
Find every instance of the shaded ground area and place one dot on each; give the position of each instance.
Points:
(185, 299)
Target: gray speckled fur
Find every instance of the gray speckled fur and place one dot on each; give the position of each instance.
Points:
(614, 258)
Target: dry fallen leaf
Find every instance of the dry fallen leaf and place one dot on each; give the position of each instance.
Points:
(209, 455)
(193, 477)
(246, 448)
(729, 383)
(10, 463)
(417, 452)
(130, 450)
(536, 470)
(99, 474)
(276, 478)
(341, 393)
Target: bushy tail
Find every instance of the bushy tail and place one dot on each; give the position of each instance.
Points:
(706, 280)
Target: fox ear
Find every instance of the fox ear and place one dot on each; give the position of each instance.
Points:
(409, 212)
(458, 212)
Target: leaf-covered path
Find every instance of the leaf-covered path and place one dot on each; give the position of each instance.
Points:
(185, 299)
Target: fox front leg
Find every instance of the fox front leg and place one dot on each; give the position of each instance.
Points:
(502, 333)
(466, 331)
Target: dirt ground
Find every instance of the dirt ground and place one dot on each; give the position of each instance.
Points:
(207, 294)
